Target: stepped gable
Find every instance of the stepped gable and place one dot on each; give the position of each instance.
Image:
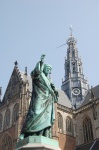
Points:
(63, 99)
(14, 85)
(88, 95)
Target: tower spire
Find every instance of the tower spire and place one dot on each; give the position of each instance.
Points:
(74, 85)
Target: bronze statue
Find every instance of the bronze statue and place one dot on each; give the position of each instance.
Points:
(41, 114)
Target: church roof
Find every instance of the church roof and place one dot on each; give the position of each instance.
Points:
(63, 99)
(94, 145)
(86, 146)
(88, 95)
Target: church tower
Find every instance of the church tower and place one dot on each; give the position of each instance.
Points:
(74, 84)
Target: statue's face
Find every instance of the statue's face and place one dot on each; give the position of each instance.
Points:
(47, 70)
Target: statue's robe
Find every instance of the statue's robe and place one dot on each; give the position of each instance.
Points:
(41, 112)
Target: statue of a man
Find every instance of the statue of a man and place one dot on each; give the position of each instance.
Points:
(41, 114)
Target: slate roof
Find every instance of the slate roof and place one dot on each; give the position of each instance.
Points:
(85, 146)
(94, 145)
(88, 95)
(63, 99)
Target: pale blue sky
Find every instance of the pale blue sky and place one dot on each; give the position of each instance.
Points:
(29, 28)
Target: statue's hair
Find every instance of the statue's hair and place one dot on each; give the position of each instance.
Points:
(48, 66)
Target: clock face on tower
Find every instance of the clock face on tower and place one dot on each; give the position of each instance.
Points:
(76, 91)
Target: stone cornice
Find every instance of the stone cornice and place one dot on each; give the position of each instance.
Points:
(65, 109)
(87, 106)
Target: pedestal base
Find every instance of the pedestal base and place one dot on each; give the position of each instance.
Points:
(37, 143)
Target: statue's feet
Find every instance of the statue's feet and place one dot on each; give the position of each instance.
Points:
(41, 132)
(50, 133)
(34, 134)
(47, 132)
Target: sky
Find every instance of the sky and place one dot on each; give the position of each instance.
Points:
(30, 28)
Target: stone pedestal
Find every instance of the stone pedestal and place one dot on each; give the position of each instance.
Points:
(37, 143)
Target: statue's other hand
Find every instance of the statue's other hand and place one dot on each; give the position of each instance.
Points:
(57, 94)
(52, 93)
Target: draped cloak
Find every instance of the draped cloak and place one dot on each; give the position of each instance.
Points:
(41, 112)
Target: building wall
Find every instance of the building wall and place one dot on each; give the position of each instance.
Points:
(97, 122)
(14, 129)
(66, 142)
(66, 139)
(88, 112)
(10, 132)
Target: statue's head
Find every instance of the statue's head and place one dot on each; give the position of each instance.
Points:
(47, 69)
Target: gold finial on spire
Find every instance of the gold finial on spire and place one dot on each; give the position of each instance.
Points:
(71, 29)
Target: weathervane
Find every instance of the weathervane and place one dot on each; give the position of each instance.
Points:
(71, 29)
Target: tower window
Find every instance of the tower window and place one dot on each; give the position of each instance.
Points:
(74, 67)
(79, 68)
(67, 69)
(73, 54)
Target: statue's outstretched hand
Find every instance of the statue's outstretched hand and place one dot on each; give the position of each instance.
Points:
(42, 57)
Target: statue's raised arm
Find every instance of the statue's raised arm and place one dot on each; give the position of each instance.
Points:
(39, 67)
(41, 114)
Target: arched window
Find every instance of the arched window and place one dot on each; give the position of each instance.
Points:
(87, 129)
(79, 69)
(6, 143)
(69, 125)
(15, 113)
(0, 121)
(60, 123)
(73, 54)
(67, 69)
(7, 119)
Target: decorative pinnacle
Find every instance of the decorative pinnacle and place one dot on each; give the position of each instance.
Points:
(25, 70)
(71, 29)
(16, 63)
